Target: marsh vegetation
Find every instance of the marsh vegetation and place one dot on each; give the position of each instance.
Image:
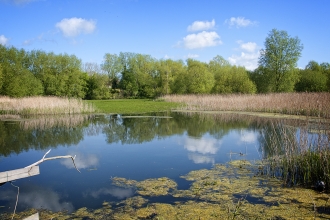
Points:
(306, 104)
(43, 106)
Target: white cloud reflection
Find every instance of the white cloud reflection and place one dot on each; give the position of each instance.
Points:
(38, 198)
(82, 161)
(202, 146)
(202, 149)
(119, 193)
(199, 158)
(248, 137)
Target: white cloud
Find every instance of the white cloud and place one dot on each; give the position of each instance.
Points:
(249, 46)
(71, 27)
(201, 40)
(249, 61)
(248, 57)
(201, 25)
(239, 22)
(192, 56)
(3, 40)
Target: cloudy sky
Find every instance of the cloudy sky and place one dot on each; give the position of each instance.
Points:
(176, 29)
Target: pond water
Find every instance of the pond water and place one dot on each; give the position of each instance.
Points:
(109, 146)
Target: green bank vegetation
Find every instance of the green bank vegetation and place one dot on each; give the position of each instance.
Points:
(133, 106)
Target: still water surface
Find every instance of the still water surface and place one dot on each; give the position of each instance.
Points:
(160, 145)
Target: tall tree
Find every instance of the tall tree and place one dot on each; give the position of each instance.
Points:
(201, 80)
(279, 60)
(113, 66)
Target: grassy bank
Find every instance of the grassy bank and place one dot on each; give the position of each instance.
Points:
(43, 105)
(309, 104)
(129, 106)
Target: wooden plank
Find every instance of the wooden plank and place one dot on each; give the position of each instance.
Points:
(33, 217)
(18, 174)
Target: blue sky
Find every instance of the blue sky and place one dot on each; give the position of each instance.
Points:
(176, 29)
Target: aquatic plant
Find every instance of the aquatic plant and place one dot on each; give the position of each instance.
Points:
(300, 156)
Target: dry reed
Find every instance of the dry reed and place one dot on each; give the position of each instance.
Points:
(43, 105)
(309, 104)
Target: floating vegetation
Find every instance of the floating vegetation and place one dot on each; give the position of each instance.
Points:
(155, 187)
(227, 191)
(148, 187)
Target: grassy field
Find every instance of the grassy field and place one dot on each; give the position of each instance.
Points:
(130, 106)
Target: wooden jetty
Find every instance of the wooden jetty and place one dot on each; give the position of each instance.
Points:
(11, 175)
(28, 171)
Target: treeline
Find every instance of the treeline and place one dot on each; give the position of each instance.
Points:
(30, 73)
(133, 75)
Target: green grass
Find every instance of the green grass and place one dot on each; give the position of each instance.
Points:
(129, 106)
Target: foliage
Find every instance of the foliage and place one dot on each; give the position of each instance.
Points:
(230, 79)
(199, 79)
(97, 87)
(312, 79)
(279, 60)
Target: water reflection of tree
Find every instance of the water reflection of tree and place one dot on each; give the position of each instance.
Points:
(19, 136)
(139, 130)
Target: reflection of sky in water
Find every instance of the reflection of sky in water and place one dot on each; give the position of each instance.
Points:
(171, 156)
(35, 197)
(202, 146)
(198, 158)
(202, 149)
(119, 193)
(82, 161)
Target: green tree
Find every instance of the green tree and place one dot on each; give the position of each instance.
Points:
(113, 66)
(325, 67)
(18, 80)
(97, 87)
(201, 80)
(1, 79)
(168, 71)
(279, 61)
(312, 79)
(230, 79)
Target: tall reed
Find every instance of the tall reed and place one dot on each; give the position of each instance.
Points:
(309, 104)
(43, 105)
(301, 156)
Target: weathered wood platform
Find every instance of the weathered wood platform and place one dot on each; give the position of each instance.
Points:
(33, 217)
(18, 174)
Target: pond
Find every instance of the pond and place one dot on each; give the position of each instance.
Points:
(118, 154)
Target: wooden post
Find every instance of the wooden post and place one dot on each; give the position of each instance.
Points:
(11, 175)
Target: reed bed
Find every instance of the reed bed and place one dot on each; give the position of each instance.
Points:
(43, 105)
(44, 122)
(308, 104)
(299, 155)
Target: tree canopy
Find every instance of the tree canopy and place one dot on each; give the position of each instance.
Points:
(278, 61)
